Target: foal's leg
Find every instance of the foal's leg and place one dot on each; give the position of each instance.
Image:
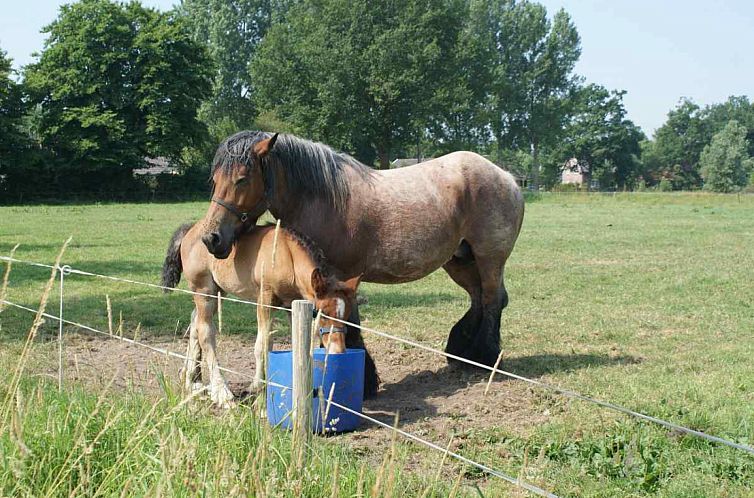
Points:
(262, 346)
(205, 313)
(191, 373)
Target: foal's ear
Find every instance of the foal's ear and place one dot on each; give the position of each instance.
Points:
(263, 147)
(319, 283)
(353, 282)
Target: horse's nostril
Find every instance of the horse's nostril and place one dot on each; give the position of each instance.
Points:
(211, 240)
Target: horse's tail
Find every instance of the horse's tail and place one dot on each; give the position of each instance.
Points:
(173, 266)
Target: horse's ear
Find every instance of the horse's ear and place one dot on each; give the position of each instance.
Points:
(319, 283)
(263, 147)
(353, 282)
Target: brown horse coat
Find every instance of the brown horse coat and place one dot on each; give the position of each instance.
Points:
(270, 266)
(459, 212)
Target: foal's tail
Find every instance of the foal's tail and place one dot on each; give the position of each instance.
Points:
(173, 266)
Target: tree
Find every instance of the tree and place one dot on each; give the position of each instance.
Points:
(12, 140)
(461, 120)
(360, 75)
(678, 143)
(675, 152)
(232, 30)
(601, 138)
(116, 83)
(725, 162)
(533, 76)
(717, 116)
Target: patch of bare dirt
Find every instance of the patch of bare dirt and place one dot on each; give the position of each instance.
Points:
(433, 400)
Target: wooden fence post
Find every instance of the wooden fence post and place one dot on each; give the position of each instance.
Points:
(302, 376)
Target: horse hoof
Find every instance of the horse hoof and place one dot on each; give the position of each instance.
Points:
(227, 404)
(457, 365)
(223, 397)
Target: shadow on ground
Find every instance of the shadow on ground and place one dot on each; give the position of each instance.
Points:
(416, 395)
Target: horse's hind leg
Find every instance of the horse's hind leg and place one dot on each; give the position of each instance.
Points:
(463, 270)
(206, 307)
(485, 347)
(191, 373)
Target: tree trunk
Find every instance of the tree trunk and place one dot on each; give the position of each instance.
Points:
(535, 164)
(383, 153)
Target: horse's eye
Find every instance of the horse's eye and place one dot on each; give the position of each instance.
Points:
(241, 181)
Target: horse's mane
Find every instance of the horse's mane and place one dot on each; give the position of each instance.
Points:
(310, 168)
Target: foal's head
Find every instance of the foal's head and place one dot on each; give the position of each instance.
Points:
(335, 299)
(238, 195)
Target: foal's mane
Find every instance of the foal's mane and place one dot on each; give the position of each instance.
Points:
(310, 168)
(308, 245)
(313, 250)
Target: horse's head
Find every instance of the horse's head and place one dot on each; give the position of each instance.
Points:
(335, 299)
(238, 196)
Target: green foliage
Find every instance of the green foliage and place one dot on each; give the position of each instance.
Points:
(116, 83)
(231, 30)
(725, 162)
(736, 108)
(379, 79)
(601, 138)
(677, 146)
(14, 144)
(637, 456)
(517, 162)
(459, 117)
(358, 75)
(533, 76)
(665, 185)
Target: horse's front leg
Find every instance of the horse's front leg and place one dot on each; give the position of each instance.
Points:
(262, 346)
(219, 391)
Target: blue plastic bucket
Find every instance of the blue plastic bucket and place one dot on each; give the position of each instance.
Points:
(344, 370)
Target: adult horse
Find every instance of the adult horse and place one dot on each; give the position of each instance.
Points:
(459, 212)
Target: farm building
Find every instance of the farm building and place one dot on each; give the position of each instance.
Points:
(575, 173)
(578, 174)
(156, 166)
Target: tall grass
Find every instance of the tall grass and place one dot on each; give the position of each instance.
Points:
(644, 300)
(77, 442)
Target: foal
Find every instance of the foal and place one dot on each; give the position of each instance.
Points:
(297, 272)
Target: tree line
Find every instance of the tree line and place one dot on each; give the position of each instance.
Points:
(116, 83)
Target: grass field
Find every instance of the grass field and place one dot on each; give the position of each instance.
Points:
(644, 300)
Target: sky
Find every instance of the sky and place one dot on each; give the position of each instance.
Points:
(656, 50)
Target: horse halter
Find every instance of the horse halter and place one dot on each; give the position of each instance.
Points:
(333, 329)
(241, 215)
(338, 329)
